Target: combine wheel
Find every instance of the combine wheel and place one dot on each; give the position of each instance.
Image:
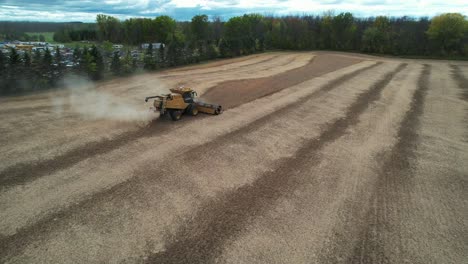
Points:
(175, 114)
(193, 110)
(218, 110)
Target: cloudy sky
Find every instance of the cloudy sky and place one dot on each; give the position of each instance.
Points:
(86, 10)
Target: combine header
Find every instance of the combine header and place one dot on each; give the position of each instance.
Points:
(182, 100)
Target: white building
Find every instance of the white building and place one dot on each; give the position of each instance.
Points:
(155, 45)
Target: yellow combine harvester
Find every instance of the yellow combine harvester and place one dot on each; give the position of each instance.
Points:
(182, 100)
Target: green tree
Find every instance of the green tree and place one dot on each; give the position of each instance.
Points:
(162, 56)
(26, 61)
(224, 49)
(57, 56)
(37, 57)
(107, 47)
(127, 63)
(14, 72)
(95, 64)
(326, 29)
(109, 28)
(212, 51)
(62, 35)
(216, 28)
(90, 66)
(3, 79)
(14, 59)
(116, 65)
(236, 30)
(199, 27)
(82, 61)
(76, 54)
(199, 35)
(242, 33)
(165, 27)
(47, 59)
(377, 38)
(343, 31)
(2, 63)
(149, 61)
(26, 74)
(448, 31)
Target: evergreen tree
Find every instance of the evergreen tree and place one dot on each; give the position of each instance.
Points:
(14, 59)
(171, 54)
(47, 59)
(224, 49)
(36, 69)
(76, 55)
(37, 57)
(162, 56)
(2, 73)
(58, 64)
(149, 62)
(26, 61)
(47, 77)
(212, 52)
(127, 62)
(2, 63)
(134, 64)
(116, 65)
(58, 56)
(98, 64)
(26, 74)
(82, 61)
(90, 66)
(14, 72)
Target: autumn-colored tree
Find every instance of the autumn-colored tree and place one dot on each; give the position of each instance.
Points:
(448, 31)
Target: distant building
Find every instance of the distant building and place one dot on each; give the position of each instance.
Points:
(24, 47)
(38, 48)
(155, 45)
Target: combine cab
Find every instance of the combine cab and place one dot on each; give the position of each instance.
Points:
(182, 100)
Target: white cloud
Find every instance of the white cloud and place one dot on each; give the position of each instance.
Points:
(75, 10)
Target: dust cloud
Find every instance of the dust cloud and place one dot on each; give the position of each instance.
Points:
(83, 98)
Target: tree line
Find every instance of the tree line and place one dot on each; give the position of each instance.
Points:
(38, 70)
(16, 30)
(203, 39)
(446, 34)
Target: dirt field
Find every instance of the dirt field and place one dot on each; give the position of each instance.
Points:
(319, 158)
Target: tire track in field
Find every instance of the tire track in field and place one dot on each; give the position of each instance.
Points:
(202, 239)
(461, 80)
(247, 72)
(286, 110)
(234, 93)
(395, 173)
(462, 83)
(216, 63)
(216, 71)
(15, 243)
(24, 172)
